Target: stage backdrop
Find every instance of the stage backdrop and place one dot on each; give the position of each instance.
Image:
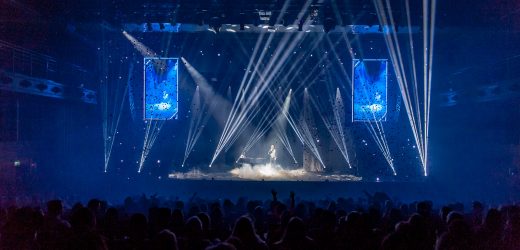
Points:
(369, 89)
(161, 88)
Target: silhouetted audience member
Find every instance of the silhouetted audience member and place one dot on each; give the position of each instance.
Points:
(110, 225)
(295, 237)
(165, 240)
(85, 235)
(458, 236)
(193, 237)
(206, 225)
(477, 214)
(221, 246)
(219, 227)
(177, 222)
(399, 239)
(346, 223)
(324, 230)
(55, 231)
(354, 232)
(512, 230)
(245, 232)
(19, 229)
(137, 232)
(489, 235)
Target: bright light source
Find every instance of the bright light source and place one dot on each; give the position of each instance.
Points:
(375, 107)
(418, 110)
(163, 106)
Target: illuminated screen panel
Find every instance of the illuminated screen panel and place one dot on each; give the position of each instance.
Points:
(160, 88)
(369, 89)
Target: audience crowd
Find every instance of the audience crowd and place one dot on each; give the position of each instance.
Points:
(145, 222)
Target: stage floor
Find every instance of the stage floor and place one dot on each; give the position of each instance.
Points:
(262, 172)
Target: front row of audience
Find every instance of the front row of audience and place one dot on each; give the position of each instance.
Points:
(377, 223)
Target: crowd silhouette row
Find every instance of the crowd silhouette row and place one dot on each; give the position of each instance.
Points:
(150, 222)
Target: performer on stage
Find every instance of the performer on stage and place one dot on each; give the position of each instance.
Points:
(272, 155)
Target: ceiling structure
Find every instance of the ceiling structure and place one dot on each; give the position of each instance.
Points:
(342, 12)
(460, 25)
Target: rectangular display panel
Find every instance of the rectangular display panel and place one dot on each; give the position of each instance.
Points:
(161, 88)
(369, 89)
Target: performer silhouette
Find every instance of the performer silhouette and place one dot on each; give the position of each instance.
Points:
(272, 155)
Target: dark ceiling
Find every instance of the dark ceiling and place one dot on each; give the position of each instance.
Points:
(489, 13)
(462, 26)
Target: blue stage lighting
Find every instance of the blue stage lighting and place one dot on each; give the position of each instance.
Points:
(369, 90)
(161, 88)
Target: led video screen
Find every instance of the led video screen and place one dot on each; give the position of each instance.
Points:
(369, 89)
(160, 88)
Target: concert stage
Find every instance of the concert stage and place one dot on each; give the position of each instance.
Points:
(261, 172)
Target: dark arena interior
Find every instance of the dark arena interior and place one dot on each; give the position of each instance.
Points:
(259, 124)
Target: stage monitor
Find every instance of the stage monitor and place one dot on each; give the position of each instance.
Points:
(369, 90)
(160, 88)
